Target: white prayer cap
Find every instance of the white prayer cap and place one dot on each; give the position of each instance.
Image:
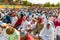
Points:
(2, 9)
(33, 19)
(6, 13)
(0, 12)
(4, 25)
(0, 28)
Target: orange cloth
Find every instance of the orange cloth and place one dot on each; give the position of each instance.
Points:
(29, 37)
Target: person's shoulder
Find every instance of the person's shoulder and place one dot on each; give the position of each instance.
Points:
(17, 32)
(58, 27)
(52, 29)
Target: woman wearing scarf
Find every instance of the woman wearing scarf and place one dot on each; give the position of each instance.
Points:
(47, 33)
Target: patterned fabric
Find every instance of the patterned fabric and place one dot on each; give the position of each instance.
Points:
(38, 28)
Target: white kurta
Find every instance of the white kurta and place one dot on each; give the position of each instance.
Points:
(3, 35)
(58, 30)
(14, 20)
(44, 19)
(32, 26)
(2, 15)
(24, 25)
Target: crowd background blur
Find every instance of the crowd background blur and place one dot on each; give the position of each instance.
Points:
(30, 23)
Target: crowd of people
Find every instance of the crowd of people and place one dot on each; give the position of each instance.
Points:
(30, 24)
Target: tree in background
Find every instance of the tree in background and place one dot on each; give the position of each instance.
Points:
(1, 1)
(29, 4)
(47, 4)
(25, 3)
(53, 5)
(58, 4)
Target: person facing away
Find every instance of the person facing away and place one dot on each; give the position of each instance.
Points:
(12, 34)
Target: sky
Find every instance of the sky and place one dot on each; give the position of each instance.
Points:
(43, 1)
